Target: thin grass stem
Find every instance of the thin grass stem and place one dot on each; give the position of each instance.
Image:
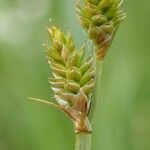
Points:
(83, 141)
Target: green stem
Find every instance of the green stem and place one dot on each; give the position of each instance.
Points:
(83, 141)
(99, 64)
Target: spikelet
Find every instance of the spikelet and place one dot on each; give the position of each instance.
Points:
(101, 19)
(72, 78)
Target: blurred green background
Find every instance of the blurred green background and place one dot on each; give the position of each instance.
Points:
(122, 120)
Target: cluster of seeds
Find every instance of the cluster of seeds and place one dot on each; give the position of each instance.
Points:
(72, 74)
(101, 19)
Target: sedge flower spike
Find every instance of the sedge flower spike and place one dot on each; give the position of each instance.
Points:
(100, 18)
(73, 77)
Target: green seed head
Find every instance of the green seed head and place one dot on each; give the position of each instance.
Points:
(73, 75)
(100, 18)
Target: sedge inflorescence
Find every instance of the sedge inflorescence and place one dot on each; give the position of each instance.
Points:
(100, 18)
(72, 77)
(73, 73)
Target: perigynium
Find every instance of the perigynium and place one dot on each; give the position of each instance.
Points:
(75, 77)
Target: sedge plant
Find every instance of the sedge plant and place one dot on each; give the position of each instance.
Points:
(75, 76)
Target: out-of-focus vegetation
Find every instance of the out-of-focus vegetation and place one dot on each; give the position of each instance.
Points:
(122, 120)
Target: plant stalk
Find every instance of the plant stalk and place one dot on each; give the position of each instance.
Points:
(83, 141)
(99, 64)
